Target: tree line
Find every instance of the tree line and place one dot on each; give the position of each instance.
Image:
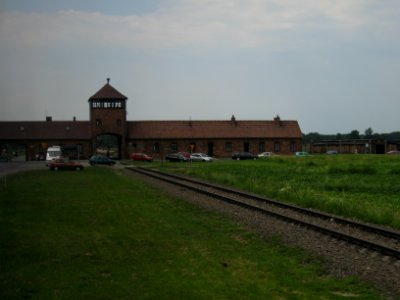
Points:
(314, 137)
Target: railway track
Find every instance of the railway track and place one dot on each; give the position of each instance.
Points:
(383, 240)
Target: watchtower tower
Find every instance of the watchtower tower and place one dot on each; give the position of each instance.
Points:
(108, 122)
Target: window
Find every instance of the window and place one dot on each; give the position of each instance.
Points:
(119, 122)
(192, 147)
(277, 147)
(261, 147)
(174, 147)
(98, 122)
(293, 146)
(228, 147)
(156, 147)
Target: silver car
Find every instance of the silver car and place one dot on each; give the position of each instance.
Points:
(200, 157)
(266, 154)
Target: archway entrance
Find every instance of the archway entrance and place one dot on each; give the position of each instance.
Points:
(210, 149)
(19, 152)
(108, 145)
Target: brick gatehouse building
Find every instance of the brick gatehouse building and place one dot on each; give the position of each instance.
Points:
(109, 132)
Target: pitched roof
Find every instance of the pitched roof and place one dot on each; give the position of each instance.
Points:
(213, 129)
(36, 130)
(66, 130)
(108, 92)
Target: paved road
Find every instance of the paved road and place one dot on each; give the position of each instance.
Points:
(7, 168)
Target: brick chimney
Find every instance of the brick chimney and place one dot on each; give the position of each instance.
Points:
(277, 121)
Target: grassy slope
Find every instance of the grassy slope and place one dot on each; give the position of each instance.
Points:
(97, 235)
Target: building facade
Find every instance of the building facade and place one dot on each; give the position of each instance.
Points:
(108, 132)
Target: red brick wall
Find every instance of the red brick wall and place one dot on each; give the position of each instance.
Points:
(219, 150)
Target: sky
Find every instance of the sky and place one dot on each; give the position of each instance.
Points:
(334, 66)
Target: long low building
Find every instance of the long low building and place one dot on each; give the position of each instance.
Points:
(109, 133)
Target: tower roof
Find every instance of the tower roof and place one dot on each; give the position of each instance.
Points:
(108, 92)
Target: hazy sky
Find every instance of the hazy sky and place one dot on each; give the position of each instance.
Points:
(333, 65)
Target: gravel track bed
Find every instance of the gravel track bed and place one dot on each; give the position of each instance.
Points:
(341, 259)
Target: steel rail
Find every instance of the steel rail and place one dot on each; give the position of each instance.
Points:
(178, 180)
(388, 232)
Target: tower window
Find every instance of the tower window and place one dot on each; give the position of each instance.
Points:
(98, 122)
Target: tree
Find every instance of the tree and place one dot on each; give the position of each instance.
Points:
(355, 134)
(368, 133)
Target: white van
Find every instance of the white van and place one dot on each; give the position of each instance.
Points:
(53, 152)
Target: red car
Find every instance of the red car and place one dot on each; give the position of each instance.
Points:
(185, 154)
(141, 157)
(61, 164)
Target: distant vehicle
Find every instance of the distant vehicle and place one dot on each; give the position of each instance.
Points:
(53, 152)
(331, 152)
(200, 157)
(71, 151)
(61, 164)
(176, 157)
(302, 154)
(185, 154)
(266, 154)
(244, 155)
(141, 157)
(101, 160)
(393, 152)
(4, 158)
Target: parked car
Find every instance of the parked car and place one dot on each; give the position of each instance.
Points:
(141, 157)
(244, 155)
(176, 157)
(393, 152)
(331, 152)
(185, 154)
(302, 154)
(62, 164)
(4, 158)
(200, 157)
(101, 160)
(266, 154)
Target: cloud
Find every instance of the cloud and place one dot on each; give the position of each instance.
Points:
(191, 23)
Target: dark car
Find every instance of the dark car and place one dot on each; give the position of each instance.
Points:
(141, 157)
(101, 160)
(62, 164)
(244, 155)
(176, 157)
(4, 158)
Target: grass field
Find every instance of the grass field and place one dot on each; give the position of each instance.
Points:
(97, 234)
(365, 187)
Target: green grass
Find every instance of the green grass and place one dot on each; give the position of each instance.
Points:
(97, 234)
(365, 187)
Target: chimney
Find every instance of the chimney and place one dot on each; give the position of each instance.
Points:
(49, 119)
(233, 120)
(108, 80)
(74, 119)
(277, 121)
